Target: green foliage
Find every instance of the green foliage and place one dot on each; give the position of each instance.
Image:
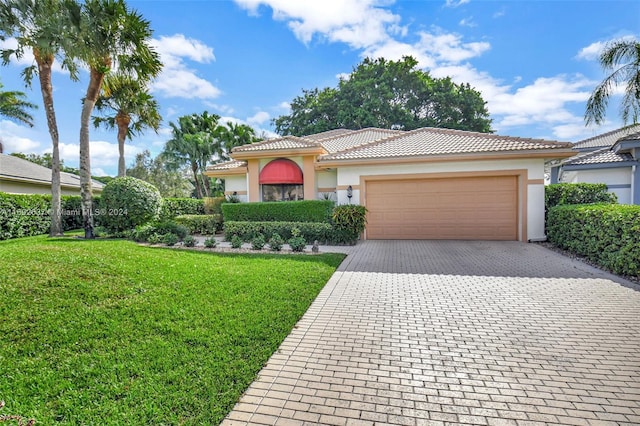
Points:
(608, 234)
(24, 215)
(577, 193)
(154, 238)
(276, 242)
(14, 106)
(213, 205)
(310, 231)
(210, 242)
(169, 181)
(127, 202)
(297, 241)
(172, 207)
(144, 232)
(387, 94)
(170, 239)
(201, 224)
(258, 242)
(349, 221)
(189, 241)
(290, 211)
(236, 242)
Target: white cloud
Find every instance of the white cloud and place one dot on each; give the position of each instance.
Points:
(592, 51)
(177, 79)
(259, 118)
(467, 22)
(17, 138)
(455, 3)
(449, 47)
(358, 23)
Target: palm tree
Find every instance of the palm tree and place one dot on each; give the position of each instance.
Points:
(134, 110)
(236, 135)
(622, 57)
(15, 107)
(40, 26)
(112, 34)
(195, 141)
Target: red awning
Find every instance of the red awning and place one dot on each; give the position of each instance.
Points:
(281, 171)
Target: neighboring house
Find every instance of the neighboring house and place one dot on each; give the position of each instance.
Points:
(18, 176)
(427, 183)
(611, 158)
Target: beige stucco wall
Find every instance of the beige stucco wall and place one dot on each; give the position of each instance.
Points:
(12, 187)
(350, 175)
(236, 183)
(614, 176)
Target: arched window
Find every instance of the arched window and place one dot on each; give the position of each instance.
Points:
(281, 180)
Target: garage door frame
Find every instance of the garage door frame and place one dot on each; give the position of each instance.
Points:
(521, 185)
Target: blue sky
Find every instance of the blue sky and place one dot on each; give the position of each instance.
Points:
(534, 62)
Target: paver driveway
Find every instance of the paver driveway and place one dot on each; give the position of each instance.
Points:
(446, 332)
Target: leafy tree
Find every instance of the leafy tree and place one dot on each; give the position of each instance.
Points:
(111, 34)
(170, 183)
(41, 27)
(127, 106)
(14, 106)
(235, 135)
(622, 59)
(387, 94)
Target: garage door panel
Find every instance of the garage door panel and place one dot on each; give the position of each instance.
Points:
(453, 208)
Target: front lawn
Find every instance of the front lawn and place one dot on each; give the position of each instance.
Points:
(112, 333)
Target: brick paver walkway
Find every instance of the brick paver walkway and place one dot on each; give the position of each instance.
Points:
(427, 332)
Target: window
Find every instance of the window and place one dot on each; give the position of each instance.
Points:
(282, 192)
(281, 180)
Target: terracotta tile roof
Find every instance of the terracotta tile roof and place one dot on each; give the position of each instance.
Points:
(15, 168)
(607, 139)
(601, 156)
(328, 134)
(227, 165)
(435, 141)
(355, 138)
(286, 142)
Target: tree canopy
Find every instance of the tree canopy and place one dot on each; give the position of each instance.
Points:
(387, 94)
(622, 59)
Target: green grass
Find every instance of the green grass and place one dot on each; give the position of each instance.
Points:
(109, 333)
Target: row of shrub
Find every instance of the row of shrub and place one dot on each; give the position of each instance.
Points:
(577, 193)
(608, 234)
(318, 211)
(343, 226)
(174, 207)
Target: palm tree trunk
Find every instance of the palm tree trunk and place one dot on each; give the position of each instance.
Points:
(194, 169)
(122, 122)
(44, 74)
(95, 82)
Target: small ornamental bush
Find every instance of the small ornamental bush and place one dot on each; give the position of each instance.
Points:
(189, 241)
(236, 242)
(276, 242)
(349, 221)
(258, 242)
(311, 231)
(297, 242)
(210, 242)
(154, 238)
(127, 202)
(201, 224)
(172, 207)
(170, 239)
(171, 227)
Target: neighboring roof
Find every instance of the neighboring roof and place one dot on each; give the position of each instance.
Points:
(15, 168)
(429, 141)
(227, 165)
(601, 156)
(287, 142)
(607, 139)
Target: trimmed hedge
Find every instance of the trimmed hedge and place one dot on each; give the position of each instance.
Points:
(25, 215)
(127, 202)
(608, 234)
(349, 221)
(201, 224)
(172, 207)
(213, 205)
(247, 231)
(290, 211)
(577, 193)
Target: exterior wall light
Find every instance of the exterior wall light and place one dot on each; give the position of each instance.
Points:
(349, 193)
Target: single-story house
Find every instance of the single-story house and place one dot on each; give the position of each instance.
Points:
(428, 183)
(18, 176)
(612, 158)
